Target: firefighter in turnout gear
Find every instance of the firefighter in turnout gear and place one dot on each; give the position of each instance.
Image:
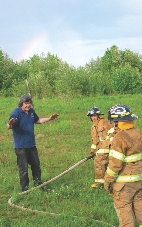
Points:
(123, 177)
(100, 144)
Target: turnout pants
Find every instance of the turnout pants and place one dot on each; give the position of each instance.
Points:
(27, 156)
(128, 203)
(100, 166)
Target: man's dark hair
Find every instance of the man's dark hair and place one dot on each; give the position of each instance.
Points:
(25, 98)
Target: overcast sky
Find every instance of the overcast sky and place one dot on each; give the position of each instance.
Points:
(74, 30)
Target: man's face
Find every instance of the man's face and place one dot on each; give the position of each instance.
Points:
(94, 118)
(26, 106)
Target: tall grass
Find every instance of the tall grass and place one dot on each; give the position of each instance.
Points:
(61, 143)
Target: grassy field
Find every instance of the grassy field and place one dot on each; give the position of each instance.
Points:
(61, 143)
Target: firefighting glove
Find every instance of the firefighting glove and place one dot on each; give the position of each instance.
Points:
(108, 187)
(92, 154)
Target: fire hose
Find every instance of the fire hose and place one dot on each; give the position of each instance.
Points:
(48, 182)
(58, 176)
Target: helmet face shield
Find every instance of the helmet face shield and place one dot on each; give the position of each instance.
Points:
(90, 113)
(121, 113)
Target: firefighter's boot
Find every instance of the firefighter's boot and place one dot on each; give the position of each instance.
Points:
(97, 185)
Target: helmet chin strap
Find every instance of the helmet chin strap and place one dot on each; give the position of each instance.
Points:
(100, 116)
(116, 124)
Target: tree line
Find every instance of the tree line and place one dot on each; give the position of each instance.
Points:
(117, 72)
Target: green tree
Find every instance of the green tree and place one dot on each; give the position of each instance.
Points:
(6, 73)
(130, 58)
(126, 80)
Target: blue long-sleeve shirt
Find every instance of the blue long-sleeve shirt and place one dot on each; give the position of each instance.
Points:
(23, 128)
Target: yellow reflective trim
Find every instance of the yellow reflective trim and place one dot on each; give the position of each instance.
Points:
(130, 178)
(101, 139)
(103, 151)
(125, 114)
(111, 131)
(107, 138)
(133, 158)
(111, 172)
(116, 154)
(140, 225)
(93, 146)
(124, 158)
(114, 116)
(127, 178)
(99, 180)
(98, 111)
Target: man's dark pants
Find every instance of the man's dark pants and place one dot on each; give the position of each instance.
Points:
(27, 156)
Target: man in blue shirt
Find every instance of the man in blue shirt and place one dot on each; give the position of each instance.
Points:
(21, 121)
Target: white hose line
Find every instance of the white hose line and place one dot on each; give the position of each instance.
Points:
(49, 213)
(44, 184)
(55, 178)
